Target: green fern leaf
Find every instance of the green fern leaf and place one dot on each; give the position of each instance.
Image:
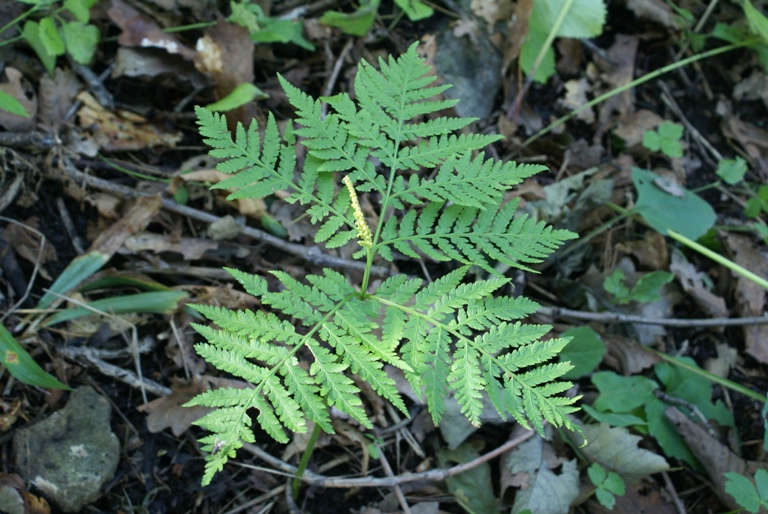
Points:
(416, 189)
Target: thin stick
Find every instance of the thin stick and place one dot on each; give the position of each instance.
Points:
(615, 317)
(433, 475)
(398, 491)
(311, 254)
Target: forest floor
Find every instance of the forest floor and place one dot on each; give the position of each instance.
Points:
(110, 163)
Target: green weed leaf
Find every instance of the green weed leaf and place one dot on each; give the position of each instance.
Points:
(81, 40)
(744, 491)
(21, 365)
(585, 351)
(32, 35)
(732, 171)
(685, 213)
(11, 105)
(241, 95)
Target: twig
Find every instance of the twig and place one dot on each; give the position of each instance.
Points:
(615, 317)
(10, 193)
(433, 475)
(398, 492)
(110, 370)
(673, 493)
(35, 270)
(334, 76)
(311, 254)
(66, 219)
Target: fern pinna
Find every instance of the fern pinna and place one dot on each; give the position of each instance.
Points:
(449, 336)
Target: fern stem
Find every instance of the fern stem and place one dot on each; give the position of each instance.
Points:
(305, 460)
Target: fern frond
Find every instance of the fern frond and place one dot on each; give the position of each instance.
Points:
(470, 236)
(471, 182)
(435, 196)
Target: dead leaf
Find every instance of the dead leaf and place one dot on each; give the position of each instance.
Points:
(13, 83)
(627, 355)
(694, 283)
(137, 30)
(645, 497)
(633, 127)
(576, 96)
(189, 247)
(27, 245)
(251, 207)
(225, 53)
(121, 130)
(753, 138)
(9, 413)
(750, 297)
(650, 252)
(655, 10)
(57, 96)
(618, 71)
(169, 411)
(716, 458)
(150, 62)
(135, 220)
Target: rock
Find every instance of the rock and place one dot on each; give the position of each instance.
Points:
(72, 453)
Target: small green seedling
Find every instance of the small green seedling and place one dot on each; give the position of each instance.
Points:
(62, 30)
(745, 493)
(608, 483)
(731, 171)
(666, 139)
(645, 291)
(266, 29)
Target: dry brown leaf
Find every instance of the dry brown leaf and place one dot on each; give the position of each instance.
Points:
(576, 96)
(650, 252)
(632, 128)
(693, 282)
(627, 355)
(189, 247)
(13, 83)
(121, 130)
(751, 137)
(225, 53)
(716, 458)
(149, 62)
(251, 207)
(654, 10)
(142, 32)
(32, 504)
(750, 297)
(135, 220)
(27, 244)
(492, 11)
(57, 96)
(619, 71)
(169, 411)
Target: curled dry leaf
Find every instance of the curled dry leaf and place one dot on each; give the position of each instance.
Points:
(140, 31)
(716, 458)
(121, 130)
(750, 297)
(693, 282)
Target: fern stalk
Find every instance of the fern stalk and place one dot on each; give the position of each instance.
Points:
(449, 337)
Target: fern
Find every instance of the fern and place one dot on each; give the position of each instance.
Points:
(449, 336)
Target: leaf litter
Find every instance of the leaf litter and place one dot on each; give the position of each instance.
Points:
(592, 165)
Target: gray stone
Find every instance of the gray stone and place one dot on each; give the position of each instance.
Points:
(72, 453)
(11, 501)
